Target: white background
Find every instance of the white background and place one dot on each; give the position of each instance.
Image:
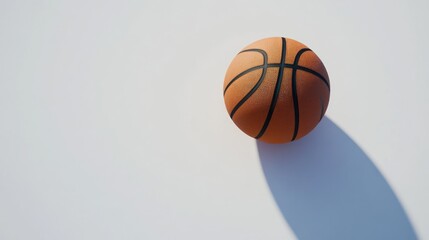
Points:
(112, 123)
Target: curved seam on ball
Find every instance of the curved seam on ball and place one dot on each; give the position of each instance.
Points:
(276, 91)
(322, 107)
(271, 65)
(253, 90)
(294, 92)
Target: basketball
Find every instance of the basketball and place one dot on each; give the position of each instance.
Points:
(276, 90)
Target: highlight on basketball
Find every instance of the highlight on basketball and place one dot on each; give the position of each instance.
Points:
(276, 90)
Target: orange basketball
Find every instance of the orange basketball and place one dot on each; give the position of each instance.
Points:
(276, 90)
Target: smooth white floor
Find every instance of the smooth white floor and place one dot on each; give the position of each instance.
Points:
(112, 123)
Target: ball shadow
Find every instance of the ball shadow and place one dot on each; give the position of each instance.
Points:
(327, 188)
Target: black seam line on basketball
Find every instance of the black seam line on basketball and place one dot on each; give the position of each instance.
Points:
(322, 108)
(271, 65)
(276, 91)
(264, 54)
(311, 71)
(294, 93)
(256, 86)
(242, 74)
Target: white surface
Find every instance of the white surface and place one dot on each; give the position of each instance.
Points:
(113, 126)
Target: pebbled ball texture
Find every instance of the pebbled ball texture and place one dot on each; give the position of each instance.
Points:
(276, 90)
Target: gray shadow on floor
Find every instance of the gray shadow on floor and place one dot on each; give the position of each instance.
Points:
(327, 188)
